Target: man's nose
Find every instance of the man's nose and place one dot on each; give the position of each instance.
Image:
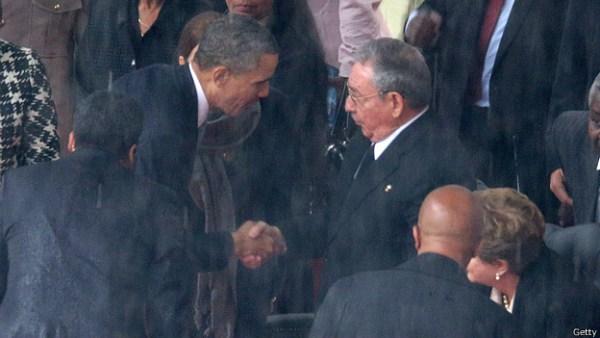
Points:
(349, 106)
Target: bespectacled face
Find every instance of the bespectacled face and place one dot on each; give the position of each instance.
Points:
(242, 90)
(371, 110)
(258, 9)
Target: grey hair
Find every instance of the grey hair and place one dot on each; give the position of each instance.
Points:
(594, 93)
(236, 42)
(398, 67)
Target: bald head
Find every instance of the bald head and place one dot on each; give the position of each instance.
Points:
(449, 223)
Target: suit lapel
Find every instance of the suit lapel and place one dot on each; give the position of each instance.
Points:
(376, 174)
(517, 16)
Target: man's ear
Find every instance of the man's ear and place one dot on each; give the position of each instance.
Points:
(71, 142)
(220, 75)
(397, 102)
(416, 236)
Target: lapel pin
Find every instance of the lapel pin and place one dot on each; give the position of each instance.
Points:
(388, 188)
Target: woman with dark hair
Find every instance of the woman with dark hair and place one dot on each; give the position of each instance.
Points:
(528, 279)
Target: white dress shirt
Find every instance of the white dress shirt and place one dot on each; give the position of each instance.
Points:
(490, 56)
(202, 101)
(382, 145)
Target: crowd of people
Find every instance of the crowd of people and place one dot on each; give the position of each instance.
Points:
(187, 168)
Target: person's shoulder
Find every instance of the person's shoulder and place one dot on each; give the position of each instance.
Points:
(571, 119)
(157, 73)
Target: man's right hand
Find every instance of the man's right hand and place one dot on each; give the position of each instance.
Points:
(256, 241)
(423, 30)
(559, 187)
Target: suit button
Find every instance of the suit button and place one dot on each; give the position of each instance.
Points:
(133, 63)
(56, 7)
(2, 22)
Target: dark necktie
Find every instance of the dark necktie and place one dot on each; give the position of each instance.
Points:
(367, 158)
(492, 13)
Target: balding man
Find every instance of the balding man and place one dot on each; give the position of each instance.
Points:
(429, 295)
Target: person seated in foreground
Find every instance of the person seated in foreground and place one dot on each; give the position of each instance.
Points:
(528, 279)
(427, 296)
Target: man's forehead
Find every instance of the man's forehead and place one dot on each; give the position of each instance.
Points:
(360, 76)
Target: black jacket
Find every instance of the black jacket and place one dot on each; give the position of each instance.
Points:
(87, 248)
(370, 219)
(428, 296)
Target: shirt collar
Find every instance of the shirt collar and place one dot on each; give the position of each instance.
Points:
(382, 145)
(202, 101)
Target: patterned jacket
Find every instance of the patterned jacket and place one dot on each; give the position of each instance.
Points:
(27, 115)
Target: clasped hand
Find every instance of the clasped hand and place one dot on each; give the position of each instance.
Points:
(255, 242)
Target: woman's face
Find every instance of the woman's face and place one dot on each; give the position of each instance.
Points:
(481, 272)
(258, 9)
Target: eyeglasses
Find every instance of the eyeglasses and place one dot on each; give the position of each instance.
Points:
(362, 99)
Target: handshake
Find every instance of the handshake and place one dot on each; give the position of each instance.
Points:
(255, 242)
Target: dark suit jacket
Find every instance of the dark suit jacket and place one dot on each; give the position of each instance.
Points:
(579, 59)
(428, 296)
(106, 49)
(370, 221)
(520, 85)
(548, 304)
(167, 146)
(570, 148)
(86, 248)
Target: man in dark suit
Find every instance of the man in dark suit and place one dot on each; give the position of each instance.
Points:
(85, 244)
(495, 68)
(380, 187)
(574, 152)
(230, 73)
(234, 62)
(89, 249)
(429, 295)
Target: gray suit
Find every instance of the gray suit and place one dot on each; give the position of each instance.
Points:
(571, 149)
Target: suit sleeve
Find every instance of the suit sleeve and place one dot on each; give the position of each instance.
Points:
(170, 277)
(40, 138)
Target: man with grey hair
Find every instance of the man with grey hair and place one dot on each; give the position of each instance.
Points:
(235, 60)
(573, 143)
(400, 157)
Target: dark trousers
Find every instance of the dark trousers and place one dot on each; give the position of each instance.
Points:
(506, 159)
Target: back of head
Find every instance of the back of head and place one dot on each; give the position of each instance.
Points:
(449, 223)
(236, 42)
(398, 67)
(513, 228)
(193, 31)
(108, 121)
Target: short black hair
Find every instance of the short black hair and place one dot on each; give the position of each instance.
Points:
(109, 121)
(236, 42)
